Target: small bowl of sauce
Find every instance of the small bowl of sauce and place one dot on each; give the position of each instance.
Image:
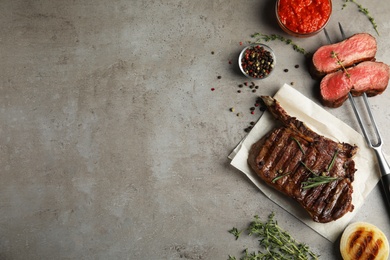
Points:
(303, 18)
(257, 61)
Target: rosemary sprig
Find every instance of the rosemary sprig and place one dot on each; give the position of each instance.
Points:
(299, 144)
(317, 179)
(330, 166)
(275, 242)
(272, 37)
(340, 62)
(365, 12)
(307, 168)
(280, 176)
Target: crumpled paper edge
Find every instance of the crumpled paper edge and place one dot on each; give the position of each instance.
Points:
(324, 123)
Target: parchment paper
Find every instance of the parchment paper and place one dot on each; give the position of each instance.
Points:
(324, 123)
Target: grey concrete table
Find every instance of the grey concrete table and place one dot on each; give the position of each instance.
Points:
(113, 144)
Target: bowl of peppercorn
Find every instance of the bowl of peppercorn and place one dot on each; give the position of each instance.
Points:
(257, 61)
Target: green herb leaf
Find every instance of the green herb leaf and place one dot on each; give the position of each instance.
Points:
(340, 62)
(316, 181)
(234, 231)
(330, 166)
(280, 176)
(299, 144)
(365, 12)
(264, 37)
(307, 168)
(276, 243)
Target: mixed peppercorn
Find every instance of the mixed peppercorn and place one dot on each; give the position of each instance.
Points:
(252, 87)
(257, 62)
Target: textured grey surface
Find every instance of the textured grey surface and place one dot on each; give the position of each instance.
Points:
(112, 144)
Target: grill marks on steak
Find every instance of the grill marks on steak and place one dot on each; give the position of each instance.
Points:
(357, 48)
(367, 77)
(285, 151)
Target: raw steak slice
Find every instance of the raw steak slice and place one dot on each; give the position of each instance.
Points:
(357, 48)
(369, 77)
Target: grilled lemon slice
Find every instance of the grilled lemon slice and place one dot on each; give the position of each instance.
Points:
(361, 240)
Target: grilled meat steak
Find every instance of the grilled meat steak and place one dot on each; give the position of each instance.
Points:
(369, 77)
(292, 155)
(357, 48)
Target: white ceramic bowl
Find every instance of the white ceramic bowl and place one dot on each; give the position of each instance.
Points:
(257, 61)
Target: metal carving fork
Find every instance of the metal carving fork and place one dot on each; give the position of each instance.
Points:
(377, 147)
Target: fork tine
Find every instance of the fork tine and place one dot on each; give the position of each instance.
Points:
(359, 118)
(342, 31)
(327, 36)
(372, 119)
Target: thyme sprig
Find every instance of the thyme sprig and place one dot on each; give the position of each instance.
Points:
(334, 55)
(272, 37)
(275, 242)
(234, 231)
(365, 12)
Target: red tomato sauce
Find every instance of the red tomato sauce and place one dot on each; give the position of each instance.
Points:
(304, 16)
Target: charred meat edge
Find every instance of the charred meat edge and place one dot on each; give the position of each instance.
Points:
(278, 150)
